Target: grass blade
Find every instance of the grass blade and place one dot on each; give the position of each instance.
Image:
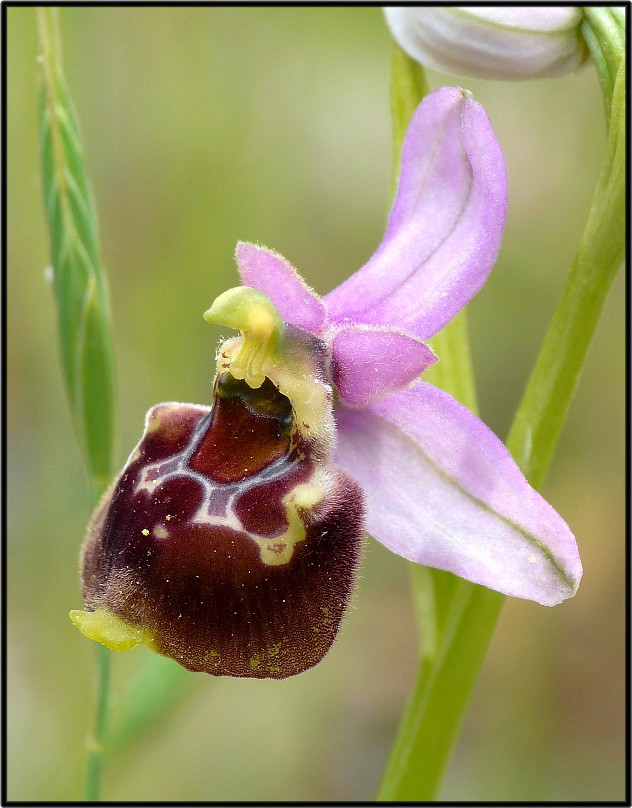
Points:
(79, 280)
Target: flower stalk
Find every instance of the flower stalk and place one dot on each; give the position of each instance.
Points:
(96, 742)
(457, 619)
(603, 29)
(542, 411)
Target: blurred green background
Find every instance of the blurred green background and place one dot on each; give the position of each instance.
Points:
(202, 126)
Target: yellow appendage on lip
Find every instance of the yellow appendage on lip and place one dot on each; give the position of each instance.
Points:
(108, 629)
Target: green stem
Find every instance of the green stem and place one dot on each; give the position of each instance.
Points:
(603, 29)
(451, 658)
(456, 619)
(96, 743)
(408, 87)
(454, 372)
(97, 740)
(542, 412)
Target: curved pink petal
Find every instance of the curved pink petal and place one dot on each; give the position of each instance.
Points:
(271, 274)
(369, 362)
(442, 490)
(445, 228)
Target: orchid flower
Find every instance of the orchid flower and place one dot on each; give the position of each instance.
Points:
(231, 538)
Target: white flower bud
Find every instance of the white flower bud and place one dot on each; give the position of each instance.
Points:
(491, 42)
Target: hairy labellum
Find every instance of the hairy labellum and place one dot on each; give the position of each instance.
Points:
(229, 542)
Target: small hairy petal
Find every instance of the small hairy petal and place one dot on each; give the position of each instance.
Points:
(442, 490)
(370, 362)
(271, 274)
(445, 228)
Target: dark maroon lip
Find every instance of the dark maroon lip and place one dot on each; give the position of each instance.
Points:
(227, 539)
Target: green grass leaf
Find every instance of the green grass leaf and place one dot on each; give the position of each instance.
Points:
(78, 278)
(155, 688)
(79, 282)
